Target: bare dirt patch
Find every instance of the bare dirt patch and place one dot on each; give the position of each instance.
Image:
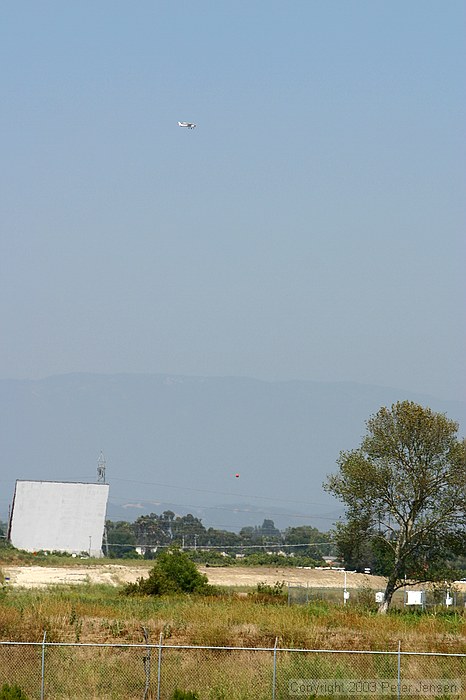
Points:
(251, 576)
(43, 576)
(118, 574)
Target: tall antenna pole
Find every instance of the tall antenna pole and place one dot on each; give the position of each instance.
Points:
(101, 464)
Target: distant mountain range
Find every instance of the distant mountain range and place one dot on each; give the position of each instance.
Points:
(176, 443)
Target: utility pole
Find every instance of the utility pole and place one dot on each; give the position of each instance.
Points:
(195, 543)
(345, 592)
(8, 527)
(106, 541)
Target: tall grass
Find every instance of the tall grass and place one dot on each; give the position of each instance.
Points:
(120, 673)
(100, 613)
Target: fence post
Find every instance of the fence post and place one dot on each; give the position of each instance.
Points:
(146, 662)
(398, 694)
(159, 665)
(42, 671)
(274, 677)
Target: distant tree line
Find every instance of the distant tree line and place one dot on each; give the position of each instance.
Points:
(150, 533)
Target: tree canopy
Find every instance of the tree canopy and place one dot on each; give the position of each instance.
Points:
(405, 494)
(154, 533)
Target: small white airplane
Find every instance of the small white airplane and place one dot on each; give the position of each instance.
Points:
(188, 125)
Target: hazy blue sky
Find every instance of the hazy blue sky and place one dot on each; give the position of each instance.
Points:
(311, 227)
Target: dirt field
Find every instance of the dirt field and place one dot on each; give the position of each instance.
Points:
(116, 574)
(246, 576)
(43, 576)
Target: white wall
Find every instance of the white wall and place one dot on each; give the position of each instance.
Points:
(51, 515)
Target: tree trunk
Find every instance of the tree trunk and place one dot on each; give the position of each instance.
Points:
(393, 579)
(388, 595)
(383, 607)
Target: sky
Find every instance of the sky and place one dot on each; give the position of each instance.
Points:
(310, 227)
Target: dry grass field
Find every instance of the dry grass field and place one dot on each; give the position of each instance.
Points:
(85, 603)
(39, 597)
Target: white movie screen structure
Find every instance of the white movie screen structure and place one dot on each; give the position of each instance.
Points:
(58, 516)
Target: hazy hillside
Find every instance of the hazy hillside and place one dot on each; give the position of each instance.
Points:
(177, 442)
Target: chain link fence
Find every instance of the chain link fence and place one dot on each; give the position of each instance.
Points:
(65, 671)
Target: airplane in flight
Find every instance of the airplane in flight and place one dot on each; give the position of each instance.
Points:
(188, 125)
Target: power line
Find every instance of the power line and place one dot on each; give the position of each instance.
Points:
(330, 516)
(240, 510)
(224, 546)
(219, 493)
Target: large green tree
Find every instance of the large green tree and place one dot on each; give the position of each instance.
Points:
(120, 538)
(308, 540)
(404, 490)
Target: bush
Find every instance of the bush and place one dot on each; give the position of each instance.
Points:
(275, 590)
(184, 695)
(174, 572)
(275, 559)
(211, 558)
(265, 593)
(12, 692)
(365, 598)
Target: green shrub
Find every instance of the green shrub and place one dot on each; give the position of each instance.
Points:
(211, 558)
(276, 590)
(174, 572)
(265, 593)
(184, 695)
(275, 559)
(12, 692)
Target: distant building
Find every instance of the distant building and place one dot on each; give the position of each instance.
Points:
(145, 550)
(58, 516)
